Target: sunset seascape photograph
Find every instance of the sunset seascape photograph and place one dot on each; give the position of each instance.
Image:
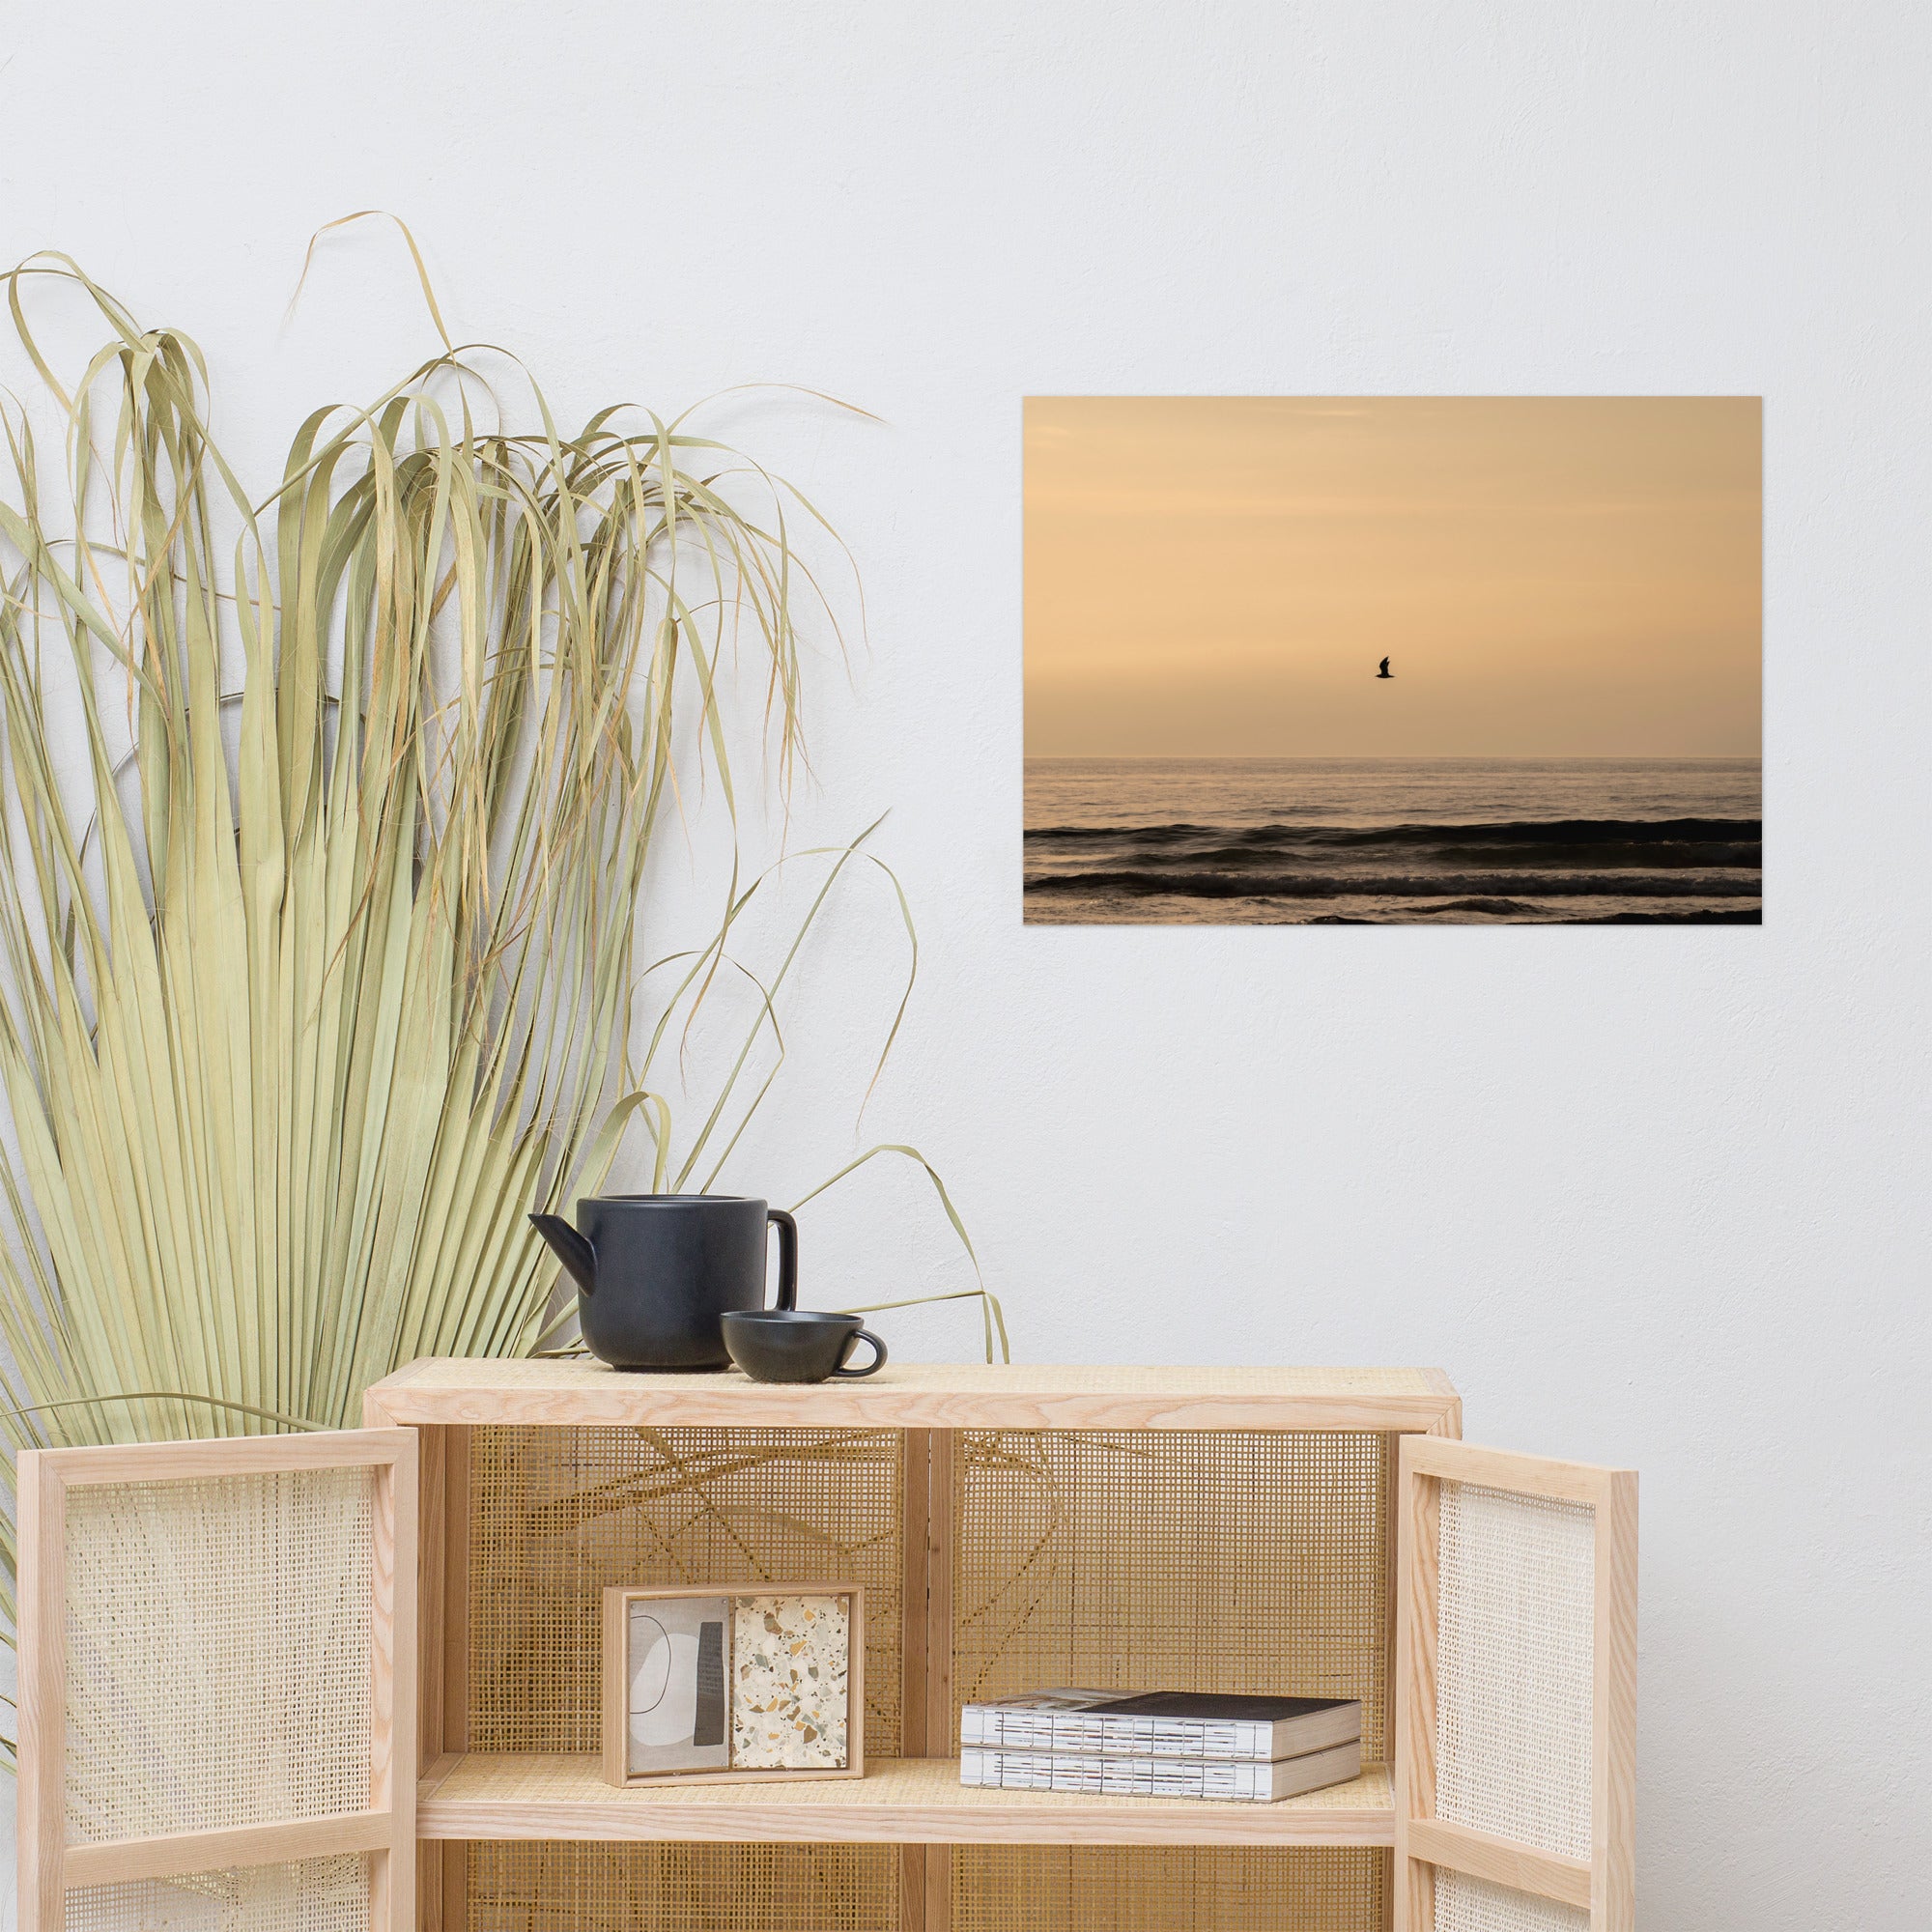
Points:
(1393, 660)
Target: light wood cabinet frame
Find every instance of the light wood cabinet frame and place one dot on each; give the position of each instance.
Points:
(419, 1446)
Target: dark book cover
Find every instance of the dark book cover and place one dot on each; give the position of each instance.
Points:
(1214, 1708)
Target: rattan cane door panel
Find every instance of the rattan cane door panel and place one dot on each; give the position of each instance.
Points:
(1465, 1904)
(217, 1698)
(1515, 1694)
(310, 1895)
(535, 1885)
(205, 1691)
(1119, 1889)
(1209, 1560)
(1514, 1650)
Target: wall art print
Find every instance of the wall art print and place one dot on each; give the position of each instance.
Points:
(1393, 660)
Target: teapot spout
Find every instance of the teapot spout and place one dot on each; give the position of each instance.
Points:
(570, 1248)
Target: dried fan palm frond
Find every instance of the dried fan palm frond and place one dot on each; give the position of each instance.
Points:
(319, 971)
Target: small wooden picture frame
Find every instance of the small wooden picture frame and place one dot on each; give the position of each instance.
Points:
(743, 1682)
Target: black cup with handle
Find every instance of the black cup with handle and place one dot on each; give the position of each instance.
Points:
(796, 1344)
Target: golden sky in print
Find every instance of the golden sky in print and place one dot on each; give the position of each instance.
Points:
(1550, 577)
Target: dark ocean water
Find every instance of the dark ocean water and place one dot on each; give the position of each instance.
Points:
(1434, 841)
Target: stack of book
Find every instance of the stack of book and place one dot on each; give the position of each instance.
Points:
(1163, 1744)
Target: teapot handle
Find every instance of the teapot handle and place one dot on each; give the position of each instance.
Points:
(788, 1258)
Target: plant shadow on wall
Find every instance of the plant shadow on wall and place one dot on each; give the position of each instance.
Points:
(325, 967)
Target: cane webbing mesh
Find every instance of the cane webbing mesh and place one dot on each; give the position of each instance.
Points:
(538, 1887)
(217, 1652)
(1514, 1666)
(1239, 1561)
(313, 1895)
(559, 1514)
(1473, 1905)
(1140, 1888)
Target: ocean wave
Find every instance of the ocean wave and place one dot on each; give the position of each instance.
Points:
(1304, 886)
(1499, 908)
(1701, 916)
(1143, 835)
(1729, 916)
(1540, 834)
(1556, 852)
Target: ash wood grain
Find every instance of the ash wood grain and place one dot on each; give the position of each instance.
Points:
(918, 1396)
(1417, 1601)
(941, 1714)
(938, 1888)
(1501, 1861)
(915, 1479)
(912, 1888)
(442, 1875)
(178, 1851)
(898, 1801)
(614, 1718)
(916, 1466)
(394, 1709)
(455, 1517)
(41, 1638)
(942, 1502)
(447, 1876)
(925, 1872)
(855, 1681)
(1391, 1605)
(1506, 1469)
(432, 1582)
(1613, 1763)
(443, 1586)
(1411, 1905)
(440, 1652)
(229, 1456)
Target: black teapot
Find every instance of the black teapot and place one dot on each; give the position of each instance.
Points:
(655, 1272)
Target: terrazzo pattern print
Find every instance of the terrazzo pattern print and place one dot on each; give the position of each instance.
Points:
(790, 1659)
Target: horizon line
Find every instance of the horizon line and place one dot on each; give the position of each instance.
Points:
(1387, 757)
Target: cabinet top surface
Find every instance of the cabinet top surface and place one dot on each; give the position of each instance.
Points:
(922, 1396)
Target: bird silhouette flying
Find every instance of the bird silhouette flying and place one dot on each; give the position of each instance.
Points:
(1385, 671)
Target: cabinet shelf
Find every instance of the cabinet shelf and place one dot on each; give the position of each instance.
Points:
(898, 1801)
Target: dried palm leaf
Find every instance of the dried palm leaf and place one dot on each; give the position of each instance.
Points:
(319, 973)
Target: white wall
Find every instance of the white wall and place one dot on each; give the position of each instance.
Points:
(1652, 1196)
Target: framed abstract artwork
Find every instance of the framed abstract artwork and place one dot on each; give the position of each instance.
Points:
(710, 1680)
